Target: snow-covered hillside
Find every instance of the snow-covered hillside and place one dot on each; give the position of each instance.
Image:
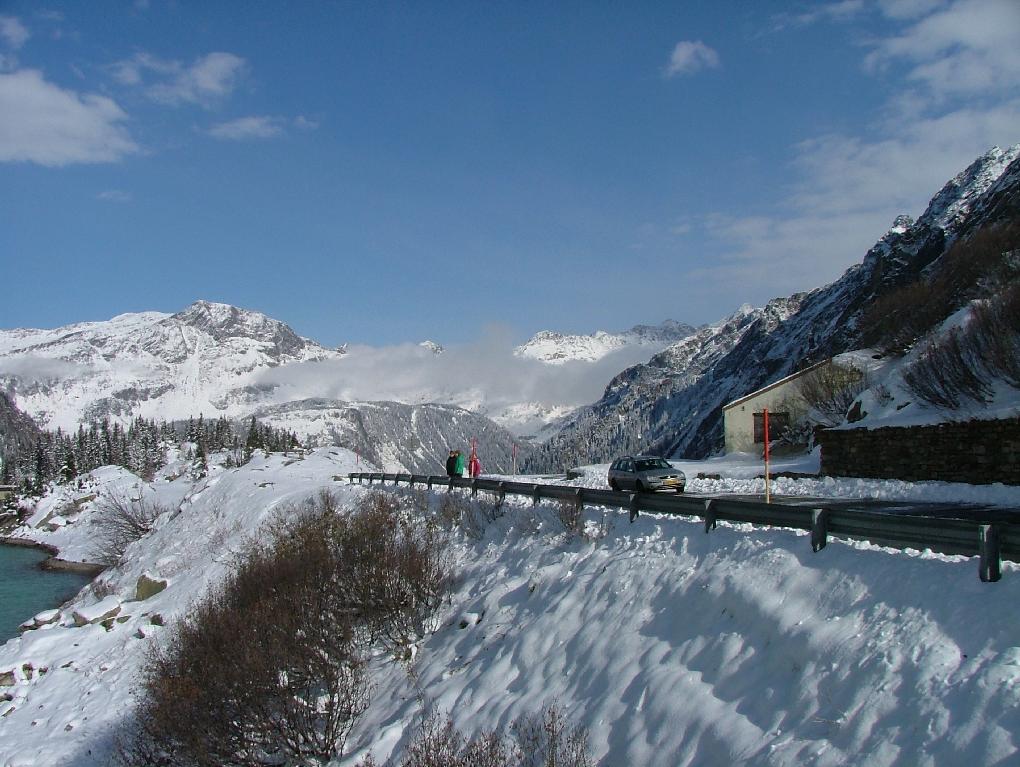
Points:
(557, 348)
(672, 646)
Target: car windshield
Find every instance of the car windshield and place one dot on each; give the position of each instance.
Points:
(647, 464)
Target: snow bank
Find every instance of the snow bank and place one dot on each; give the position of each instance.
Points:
(672, 646)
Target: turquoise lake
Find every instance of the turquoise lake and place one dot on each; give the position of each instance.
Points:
(26, 590)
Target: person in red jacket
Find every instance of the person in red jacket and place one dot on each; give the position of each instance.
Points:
(474, 465)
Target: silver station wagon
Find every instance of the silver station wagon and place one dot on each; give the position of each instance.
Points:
(645, 472)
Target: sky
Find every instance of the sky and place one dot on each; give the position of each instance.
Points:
(381, 173)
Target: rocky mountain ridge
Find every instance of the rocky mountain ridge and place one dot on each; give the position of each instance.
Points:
(673, 404)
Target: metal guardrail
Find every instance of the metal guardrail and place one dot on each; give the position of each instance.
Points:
(992, 542)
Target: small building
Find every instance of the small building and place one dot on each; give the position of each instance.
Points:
(744, 421)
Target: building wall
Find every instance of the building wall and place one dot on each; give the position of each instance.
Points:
(738, 419)
(978, 452)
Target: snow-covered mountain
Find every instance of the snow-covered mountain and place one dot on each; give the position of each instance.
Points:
(557, 348)
(395, 436)
(205, 359)
(673, 404)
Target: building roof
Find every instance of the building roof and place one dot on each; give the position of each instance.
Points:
(776, 384)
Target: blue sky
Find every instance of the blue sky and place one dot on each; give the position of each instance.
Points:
(388, 172)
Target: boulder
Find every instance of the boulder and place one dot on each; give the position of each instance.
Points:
(97, 613)
(148, 586)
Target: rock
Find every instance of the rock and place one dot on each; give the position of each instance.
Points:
(101, 611)
(148, 586)
(7, 678)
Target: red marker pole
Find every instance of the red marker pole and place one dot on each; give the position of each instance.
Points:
(768, 499)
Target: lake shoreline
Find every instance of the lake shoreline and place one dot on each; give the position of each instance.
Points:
(54, 563)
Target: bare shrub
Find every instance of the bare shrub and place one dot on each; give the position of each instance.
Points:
(947, 372)
(395, 571)
(548, 740)
(975, 267)
(996, 332)
(268, 668)
(543, 740)
(831, 390)
(118, 522)
(571, 515)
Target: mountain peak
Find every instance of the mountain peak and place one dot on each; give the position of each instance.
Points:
(223, 321)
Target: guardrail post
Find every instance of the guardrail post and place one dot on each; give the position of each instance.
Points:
(988, 547)
(536, 494)
(428, 483)
(709, 515)
(632, 504)
(370, 478)
(819, 529)
(579, 501)
(410, 481)
(449, 484)
(502, 491)
(474, 487)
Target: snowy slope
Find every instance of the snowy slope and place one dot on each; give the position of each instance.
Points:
(672, 646)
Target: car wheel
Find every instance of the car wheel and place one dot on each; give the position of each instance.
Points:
(679, 490)
(613, 485)
(638, 487)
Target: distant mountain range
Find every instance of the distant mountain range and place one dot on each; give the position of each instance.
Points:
(213, 359)
(558, 348)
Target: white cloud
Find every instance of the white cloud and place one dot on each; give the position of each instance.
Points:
(960, 97)
(909, 9)
(843, 10)
(13, 32)
(967, 48)
(248, 128)
(690, 56)
(45, 124)
(211, 78)
(484, 373)
(114, 195)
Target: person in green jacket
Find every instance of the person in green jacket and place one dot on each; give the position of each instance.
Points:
(460, 465)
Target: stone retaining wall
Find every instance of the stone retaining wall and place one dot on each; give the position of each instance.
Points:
(978, 452)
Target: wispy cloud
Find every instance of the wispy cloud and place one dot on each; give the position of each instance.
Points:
(690, 56)
(115, 195)
(45, 124)
(259, 127)
(969, 47)
(245, 128)
(13, 32)
(484, 374)
(208, 80)
(960, 96)
(843, 10)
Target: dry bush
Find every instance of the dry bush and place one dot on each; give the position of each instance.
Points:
(975, 267)
(548, 740)
(544, 740)
(571, 515)
(947, 372)
(269, 667)
(118, 522)
(831, 390)
(996, 332)
(395, 571)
